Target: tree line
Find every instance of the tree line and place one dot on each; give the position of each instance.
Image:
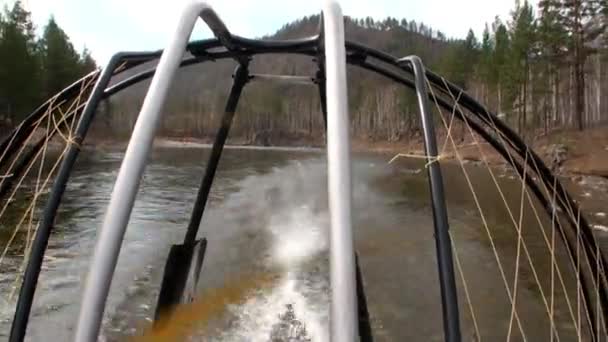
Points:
(33, 68)
(541, 68)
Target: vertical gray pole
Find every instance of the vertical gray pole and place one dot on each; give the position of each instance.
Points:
(127, 183)
(342, 255)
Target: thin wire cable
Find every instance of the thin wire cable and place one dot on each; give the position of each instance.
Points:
(485, 224)
(518, 253)
(541, 225)
(466, 290)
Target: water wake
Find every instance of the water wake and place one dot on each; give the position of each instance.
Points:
(295, 309)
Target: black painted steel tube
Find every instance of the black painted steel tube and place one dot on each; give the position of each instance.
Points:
(322, 95)
(308, 46)
(241, 76)
(365, 324)
(147, 74)
(590, 251)
(447, 282)
(16, 137)
(30, 278)
(568, 243)
(7, 183)
(320, 76)
(518, 145)
(12, 141)
(363, 51)
(501, 149)
(19, 168)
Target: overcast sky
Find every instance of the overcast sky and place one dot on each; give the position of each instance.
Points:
(108, 26)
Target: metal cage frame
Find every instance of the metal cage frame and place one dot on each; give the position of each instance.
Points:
(332, 52)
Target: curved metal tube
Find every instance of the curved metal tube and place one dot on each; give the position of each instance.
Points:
(241, 77)
(590, 251)
(7, 185)
(343, 316)
(19, 134)
(518, 145)
(242, 47)
(447, 282)
(502, 150)
(12, 142)
(147, 74)
(117, 215)
(32, 271)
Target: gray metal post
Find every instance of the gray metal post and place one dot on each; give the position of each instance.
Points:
(342, 255)
(125, 189)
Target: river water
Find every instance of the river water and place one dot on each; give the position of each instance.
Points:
(266, 269)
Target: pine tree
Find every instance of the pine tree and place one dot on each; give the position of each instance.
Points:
(61, 62)
(19, 70)
(523, 30)
(454, 65)
(486, 65)
(577, 19)
(551, 49)
(413, 27)
(470, 54)
(87, 63)
(500, 70)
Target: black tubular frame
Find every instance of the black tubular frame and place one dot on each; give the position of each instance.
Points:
(32, 271)
(241, 76)
(447, 281)
(229, 46)
(502, 150)
(11, 142)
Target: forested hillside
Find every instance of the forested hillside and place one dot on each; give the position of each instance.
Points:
(34, 68)
(542, 68)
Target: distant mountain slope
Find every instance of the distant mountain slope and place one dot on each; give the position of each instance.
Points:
(277, 113)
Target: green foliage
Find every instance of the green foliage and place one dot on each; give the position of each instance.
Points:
(522, 33)
(20, 67)
(33, 69)
(87, 63)
(486, 65)
(459, 62)
(502, 46)
(60, 61)
(551, 34)
(516, 66)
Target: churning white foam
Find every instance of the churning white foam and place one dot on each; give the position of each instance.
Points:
(298, 236)
(259, 317)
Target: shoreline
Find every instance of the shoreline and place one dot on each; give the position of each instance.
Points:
(586, 153)
(469, 153)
